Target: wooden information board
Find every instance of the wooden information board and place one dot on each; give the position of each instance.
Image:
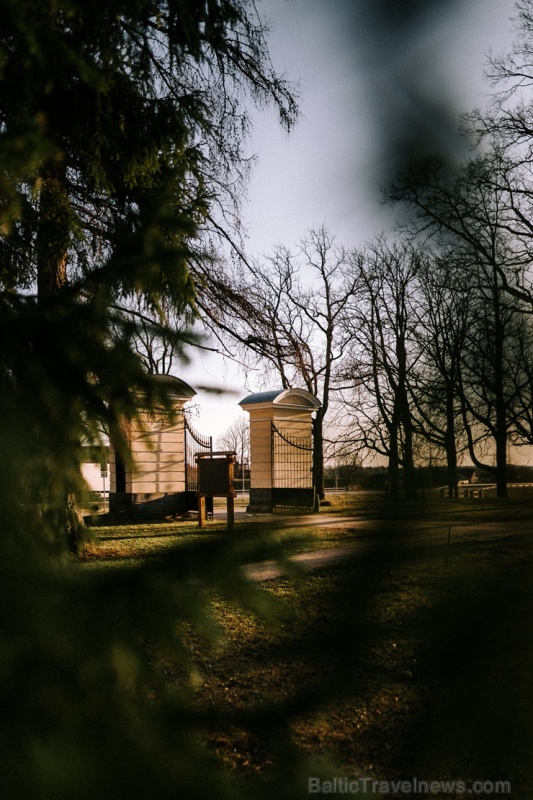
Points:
(215, 479)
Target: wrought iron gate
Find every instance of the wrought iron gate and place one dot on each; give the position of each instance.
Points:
(293, 484)
(194, 443)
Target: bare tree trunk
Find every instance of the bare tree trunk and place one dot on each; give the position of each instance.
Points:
(318, 454)
(53, 237)
(501, 404)
(409, 472)
(53, 232)
(451, 447)
(394, 462)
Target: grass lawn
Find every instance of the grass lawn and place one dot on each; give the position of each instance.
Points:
(413, 659)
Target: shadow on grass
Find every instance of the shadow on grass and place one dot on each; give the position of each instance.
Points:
(415, 659)
(406, 662)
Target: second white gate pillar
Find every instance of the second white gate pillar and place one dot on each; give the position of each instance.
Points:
(281, 476)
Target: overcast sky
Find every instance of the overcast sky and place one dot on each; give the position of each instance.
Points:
(360, 84)
(379, 80)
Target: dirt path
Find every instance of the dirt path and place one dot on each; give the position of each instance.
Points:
(316, 559)
(375, 533)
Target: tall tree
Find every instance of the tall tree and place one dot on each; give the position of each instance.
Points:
(383, 354)
(117, 122)
(119, 129)
(443, 316)
(470, 212)
(505, 130)
(283, 314)
(124, 117)
(521, 429)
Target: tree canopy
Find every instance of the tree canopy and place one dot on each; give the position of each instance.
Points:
(121, 132)
(119, 121)
(121, 135)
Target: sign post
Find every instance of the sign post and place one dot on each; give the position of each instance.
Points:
(103, 473)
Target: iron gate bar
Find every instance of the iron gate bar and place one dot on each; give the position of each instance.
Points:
(292, 469)
(194, 443)
(292, 440)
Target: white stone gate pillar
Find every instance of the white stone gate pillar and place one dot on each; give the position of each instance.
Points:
(154, 485)
(281, 475)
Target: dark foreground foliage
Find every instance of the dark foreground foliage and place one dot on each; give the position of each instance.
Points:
(121, 140)
(413, 659)
(85, 711)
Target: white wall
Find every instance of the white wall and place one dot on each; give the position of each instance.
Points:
(92, 473)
